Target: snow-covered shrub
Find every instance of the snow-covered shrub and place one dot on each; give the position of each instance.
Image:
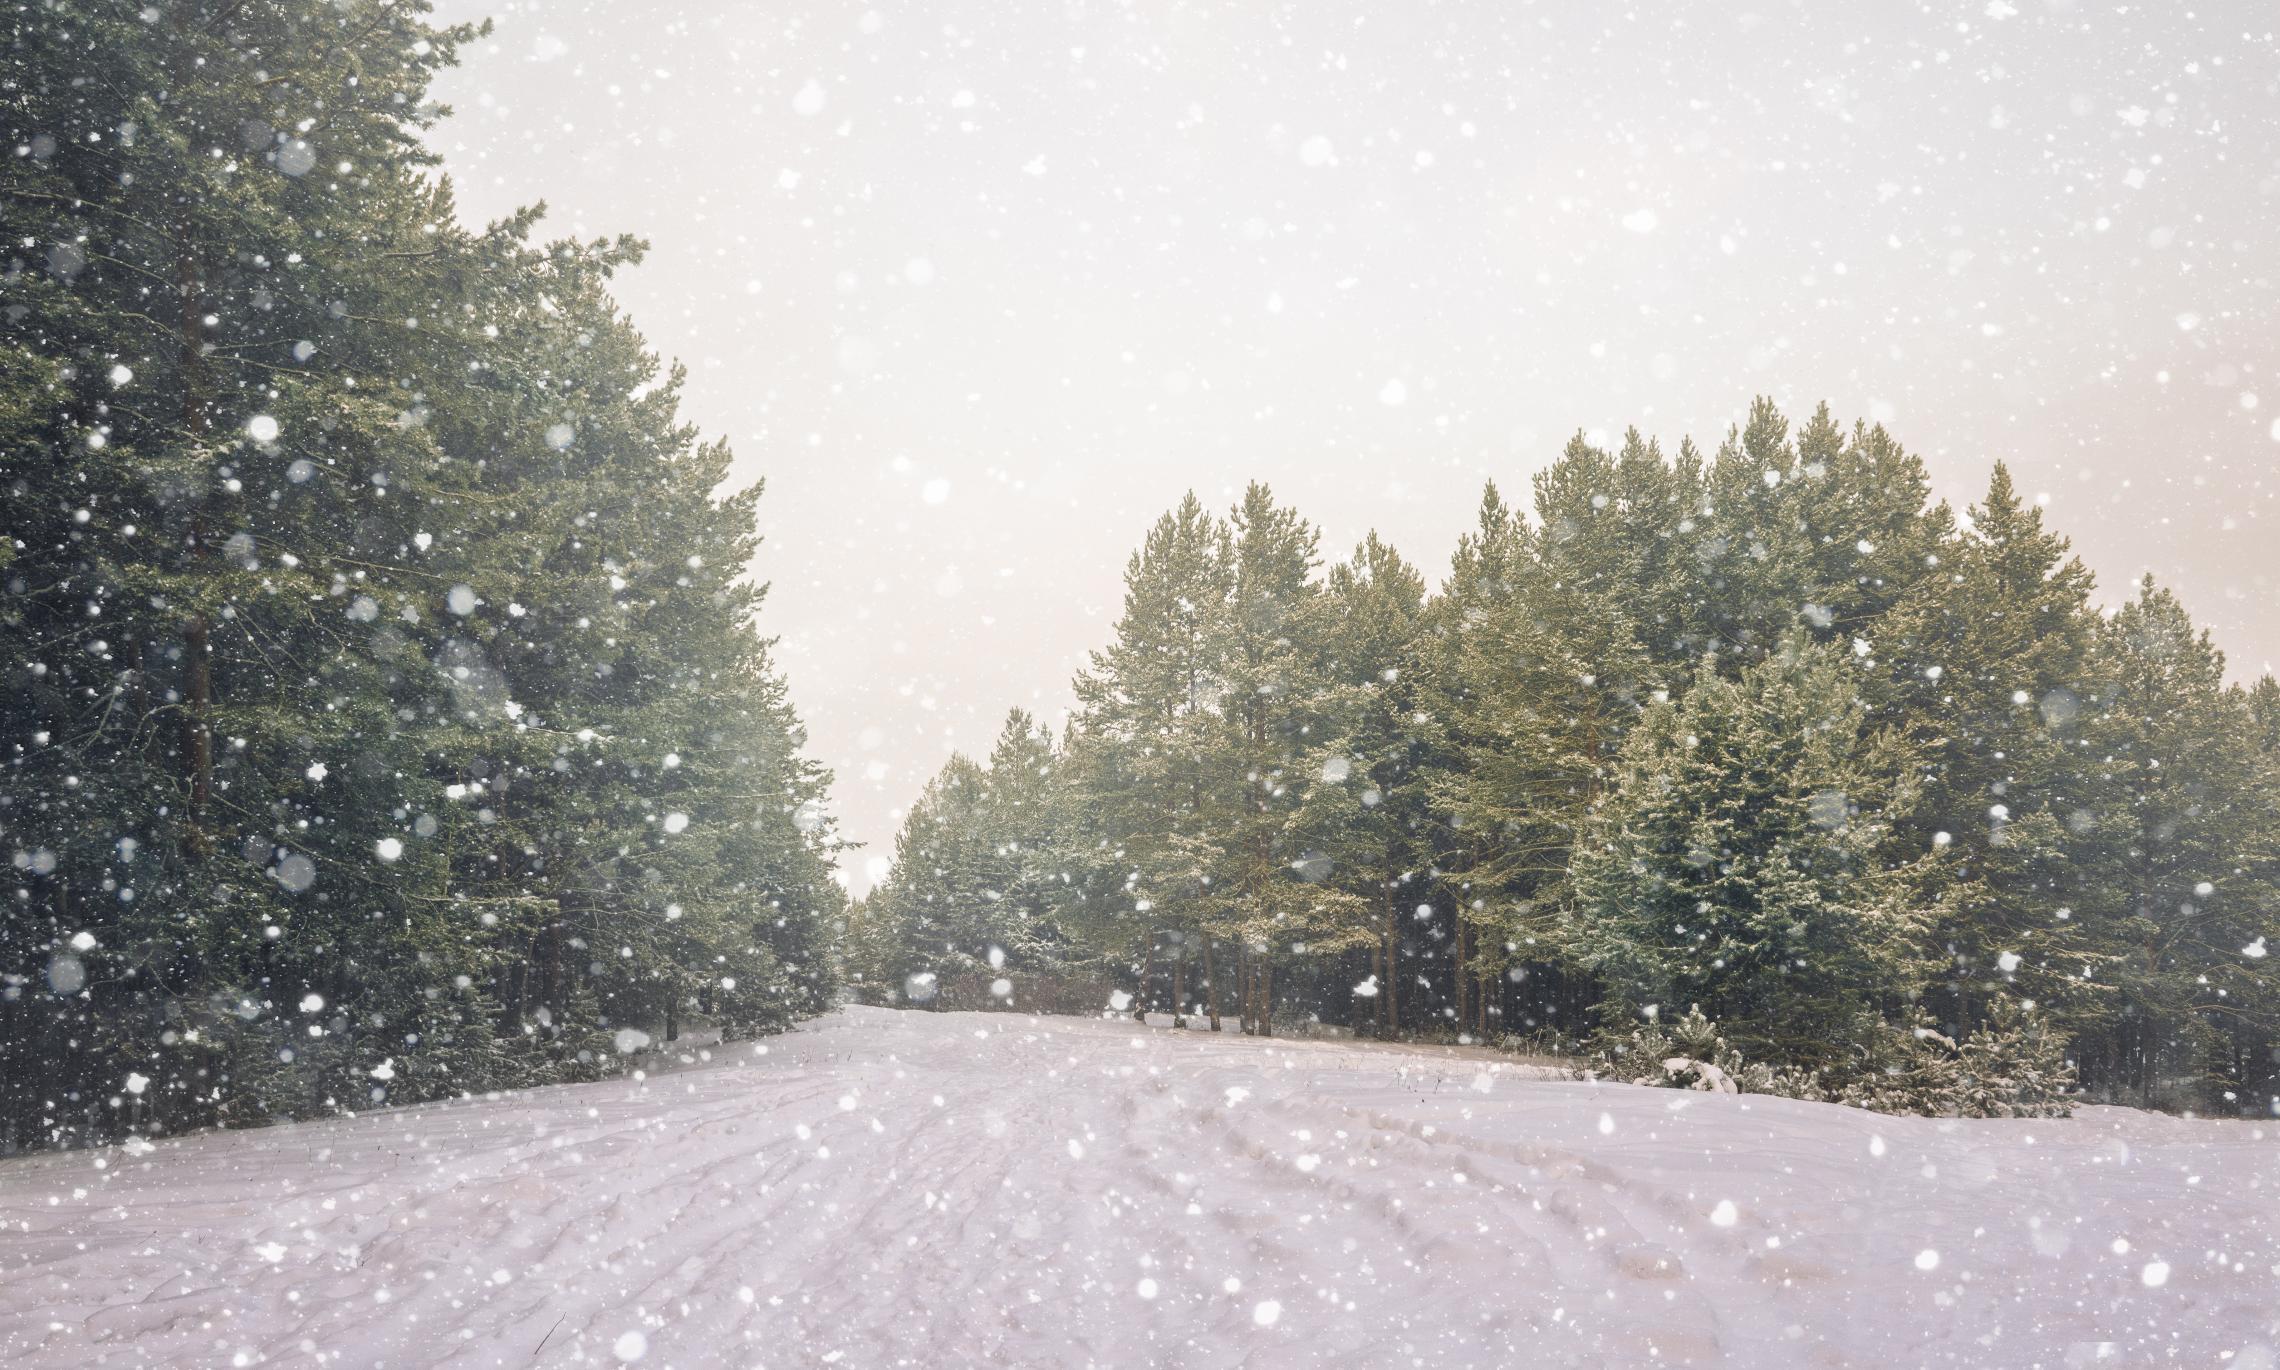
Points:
(1904, 1068)
(2015, 1067)
(2011, 1068)
(1690, 1053)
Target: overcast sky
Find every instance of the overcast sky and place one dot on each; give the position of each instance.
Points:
(979, 288)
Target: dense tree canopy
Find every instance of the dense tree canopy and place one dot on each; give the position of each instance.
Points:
(386, 717)
(1767, 734)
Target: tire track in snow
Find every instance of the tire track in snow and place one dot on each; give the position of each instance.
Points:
(1391, 1205)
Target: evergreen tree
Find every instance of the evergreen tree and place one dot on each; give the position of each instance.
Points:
(2171, 865)
(1151, 843)
(366, 599)
(1744, 863)
(2264, 713)
(1366, 824)
(1025, 816)
(1623, 532)
(1547, 677)
(1987, 666)
(1271, 713)
(1824, 533)
(974, 890)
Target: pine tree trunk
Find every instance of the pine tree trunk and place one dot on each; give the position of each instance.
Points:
(198, 730)
(557, 993)
(1392, 994)
(1179, 990)
(1211, 983)
(1377, 978)
(518, 980)
(1242, 988)
(197, 633)
(1457, 967)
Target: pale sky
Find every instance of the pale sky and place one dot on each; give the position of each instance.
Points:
(981, 287)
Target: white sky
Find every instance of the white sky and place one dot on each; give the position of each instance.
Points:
(980, 287)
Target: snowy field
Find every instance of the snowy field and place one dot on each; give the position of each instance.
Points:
(890, 1189)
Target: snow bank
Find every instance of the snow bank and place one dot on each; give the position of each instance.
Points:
(888, 1188)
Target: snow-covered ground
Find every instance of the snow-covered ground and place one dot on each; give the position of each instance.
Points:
(885, 1189)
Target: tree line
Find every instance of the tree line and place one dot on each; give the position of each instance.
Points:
(384, 710)
(1765, 736)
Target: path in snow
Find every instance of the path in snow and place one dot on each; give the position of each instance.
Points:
(883, 1189)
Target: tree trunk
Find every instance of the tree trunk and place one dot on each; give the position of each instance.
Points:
(1377, 978)
(1392, 994)
(1481, 989)
(198, 731)
(197, 633)
(517, 981)
(1457, 966)
(1242, 988)
(1267, 999)
(557, 993)
(1179, 989)
(1211, 983)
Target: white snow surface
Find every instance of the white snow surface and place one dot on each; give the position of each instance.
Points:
(889, 1188)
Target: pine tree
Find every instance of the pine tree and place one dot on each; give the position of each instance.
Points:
(1547, 677)
(1151, 846)
(2013, 1067)
(1624, 531)
(1744, 863)
(1365, 825)
(230, 260)
(1987, 664)
(368, 597)
(974, 892)
(1456, 715)
(2170, 866)
(1824, 533)
(1272, 709)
